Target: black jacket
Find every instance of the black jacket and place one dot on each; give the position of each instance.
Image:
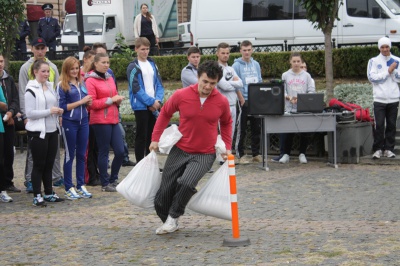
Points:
(10, 92)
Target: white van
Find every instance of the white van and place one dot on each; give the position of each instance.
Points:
(184, 34)
(274, 21)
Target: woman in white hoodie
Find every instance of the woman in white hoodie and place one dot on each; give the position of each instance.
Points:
(42, 111)
(296, 81)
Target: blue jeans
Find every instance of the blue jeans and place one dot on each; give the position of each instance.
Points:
(76, 135)
(107, 135)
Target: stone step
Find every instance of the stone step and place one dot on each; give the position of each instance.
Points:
(382, 161)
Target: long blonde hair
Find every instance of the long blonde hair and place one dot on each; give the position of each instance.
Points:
(68, 64)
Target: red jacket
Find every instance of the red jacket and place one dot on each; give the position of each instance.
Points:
(101, 90)
(198, 124)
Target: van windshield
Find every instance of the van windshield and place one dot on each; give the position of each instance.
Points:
(92, 25)
(393, 6)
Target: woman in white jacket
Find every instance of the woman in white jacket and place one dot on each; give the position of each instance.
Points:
(42, 111)
(145, 25)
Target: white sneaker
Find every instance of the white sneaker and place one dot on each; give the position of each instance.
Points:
(84, 193)
(285, 159)
(71, 194)
(4, 197)
(302, 158)
(377, 154)
(170, 225)
(389, 154)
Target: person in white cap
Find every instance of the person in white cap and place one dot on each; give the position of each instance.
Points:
(384, 75)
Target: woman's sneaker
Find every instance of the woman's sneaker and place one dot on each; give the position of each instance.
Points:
(84, 193)
(53, 198)
(4, 197)
(71, 194)
(39, 201)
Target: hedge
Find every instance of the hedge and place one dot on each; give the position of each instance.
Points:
(347, 63)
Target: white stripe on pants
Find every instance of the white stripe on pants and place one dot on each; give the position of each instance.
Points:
(181, 173)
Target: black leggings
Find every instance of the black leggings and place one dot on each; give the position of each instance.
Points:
(43, 155)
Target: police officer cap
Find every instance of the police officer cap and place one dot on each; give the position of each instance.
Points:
(47, 6)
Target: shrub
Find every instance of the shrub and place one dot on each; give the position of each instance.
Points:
(347, 63)
(359, 93)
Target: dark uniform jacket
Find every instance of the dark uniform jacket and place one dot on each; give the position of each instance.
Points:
(49, 31)
(24, 30)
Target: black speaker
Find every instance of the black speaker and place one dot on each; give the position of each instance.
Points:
(266, 98)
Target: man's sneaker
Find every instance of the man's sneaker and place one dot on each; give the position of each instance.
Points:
(170, 225)
(39, 201)
(377, 154)
(53, 198)
(109, 188)
(4, 197)
(257, 159)
(59, 183)
(285, 159)
(389, 154)
(13, 189)
(128, 163)
(71, 194)
(302, 158)
(84, 193)
(115, 183)
(243, 160)
(28, 185)
(277, 158)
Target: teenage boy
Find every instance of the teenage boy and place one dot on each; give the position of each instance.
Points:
(384, 75)
(230, 83)
(189, 72)
(146, 94)
(249, 71)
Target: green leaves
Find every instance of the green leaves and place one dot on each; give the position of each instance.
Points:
(13, 14)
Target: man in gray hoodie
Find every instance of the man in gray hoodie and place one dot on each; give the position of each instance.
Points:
(39, 50)
(249, 71)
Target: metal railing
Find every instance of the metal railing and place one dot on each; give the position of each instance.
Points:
(279, 47)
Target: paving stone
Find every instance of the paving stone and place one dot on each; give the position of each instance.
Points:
(294, 214)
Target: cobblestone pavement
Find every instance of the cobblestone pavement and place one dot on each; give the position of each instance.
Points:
(294, 214)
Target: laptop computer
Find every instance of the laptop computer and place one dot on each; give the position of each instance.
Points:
(310, 102)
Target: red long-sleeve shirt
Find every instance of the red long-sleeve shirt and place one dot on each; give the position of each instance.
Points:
(197, 123)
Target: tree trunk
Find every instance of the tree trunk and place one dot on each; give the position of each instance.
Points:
(328, 65)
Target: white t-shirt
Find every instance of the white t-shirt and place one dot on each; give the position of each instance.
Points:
(148, 77)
